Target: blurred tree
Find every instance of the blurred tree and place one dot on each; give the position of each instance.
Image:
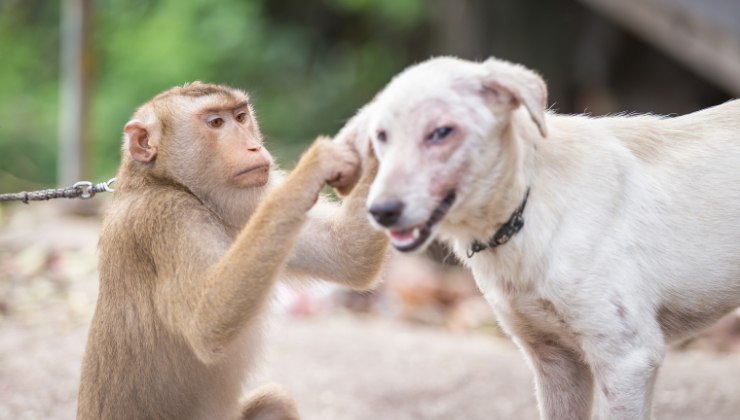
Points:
(308, 65)
(29, 45)
(76, 63)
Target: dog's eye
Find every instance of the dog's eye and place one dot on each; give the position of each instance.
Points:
(382, 136)
(439, 134)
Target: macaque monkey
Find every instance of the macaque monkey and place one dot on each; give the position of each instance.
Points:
(201, 226)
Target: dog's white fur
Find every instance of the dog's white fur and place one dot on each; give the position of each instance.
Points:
(632, 227)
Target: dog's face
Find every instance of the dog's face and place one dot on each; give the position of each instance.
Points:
(436, 130)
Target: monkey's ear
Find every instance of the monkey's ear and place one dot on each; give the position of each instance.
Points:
(139, 141)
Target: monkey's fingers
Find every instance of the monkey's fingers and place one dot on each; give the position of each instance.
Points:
(345, 182)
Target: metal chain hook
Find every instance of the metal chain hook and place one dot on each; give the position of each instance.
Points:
(107, 185)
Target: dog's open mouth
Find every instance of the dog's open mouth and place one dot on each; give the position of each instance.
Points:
(407, 240)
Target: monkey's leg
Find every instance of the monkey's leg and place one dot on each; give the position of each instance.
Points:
(269, 402)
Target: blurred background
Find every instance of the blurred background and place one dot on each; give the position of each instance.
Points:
(424, 345)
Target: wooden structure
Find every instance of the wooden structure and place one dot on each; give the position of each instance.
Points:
(704, 35)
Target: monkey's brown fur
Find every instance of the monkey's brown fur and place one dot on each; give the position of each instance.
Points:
(191, 248)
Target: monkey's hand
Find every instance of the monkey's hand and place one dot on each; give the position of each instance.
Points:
(340, 164)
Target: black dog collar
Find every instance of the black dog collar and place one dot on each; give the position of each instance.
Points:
(505, 232)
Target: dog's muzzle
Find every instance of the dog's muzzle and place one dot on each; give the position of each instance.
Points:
(409, 239)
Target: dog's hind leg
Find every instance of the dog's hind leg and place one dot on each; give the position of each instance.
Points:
(563, 382)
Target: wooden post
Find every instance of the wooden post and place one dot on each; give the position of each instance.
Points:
(75, 69)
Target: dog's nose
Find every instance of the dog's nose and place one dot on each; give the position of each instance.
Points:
(387, 212)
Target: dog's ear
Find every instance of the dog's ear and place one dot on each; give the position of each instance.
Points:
(356, 131)
(511, 85)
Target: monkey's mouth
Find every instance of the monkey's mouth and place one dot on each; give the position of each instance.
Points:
(253, 169)
(407, 240)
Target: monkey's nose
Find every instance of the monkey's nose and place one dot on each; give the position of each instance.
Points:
(387, 212)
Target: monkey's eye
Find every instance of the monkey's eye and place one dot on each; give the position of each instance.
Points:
(439, 134)
(216, 122)
(241, 117)
(382, 136)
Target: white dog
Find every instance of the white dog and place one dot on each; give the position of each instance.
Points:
(596, 240)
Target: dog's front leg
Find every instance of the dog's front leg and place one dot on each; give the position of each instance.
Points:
(625, 362)
(563, 382)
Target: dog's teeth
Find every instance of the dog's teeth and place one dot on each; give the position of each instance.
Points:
(416, 233)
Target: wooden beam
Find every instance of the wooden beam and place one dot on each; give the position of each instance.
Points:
(693, 38)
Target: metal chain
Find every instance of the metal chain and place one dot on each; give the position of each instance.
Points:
(83, 190)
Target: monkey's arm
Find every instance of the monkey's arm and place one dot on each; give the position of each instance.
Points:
(338, 243)
(231, 293)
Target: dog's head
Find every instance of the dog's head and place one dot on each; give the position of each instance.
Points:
(438, 132)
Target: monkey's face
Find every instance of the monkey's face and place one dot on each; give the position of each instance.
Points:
(234, 143)
(202, 136)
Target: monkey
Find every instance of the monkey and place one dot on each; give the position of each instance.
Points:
(201, 226)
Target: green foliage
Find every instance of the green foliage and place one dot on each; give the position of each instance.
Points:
(402, 13)
(307, 65)
(28, 93)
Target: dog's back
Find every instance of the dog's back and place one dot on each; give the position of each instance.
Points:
(653, 139)
(679, 224)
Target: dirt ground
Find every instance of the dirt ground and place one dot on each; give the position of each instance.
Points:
(338, 364)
